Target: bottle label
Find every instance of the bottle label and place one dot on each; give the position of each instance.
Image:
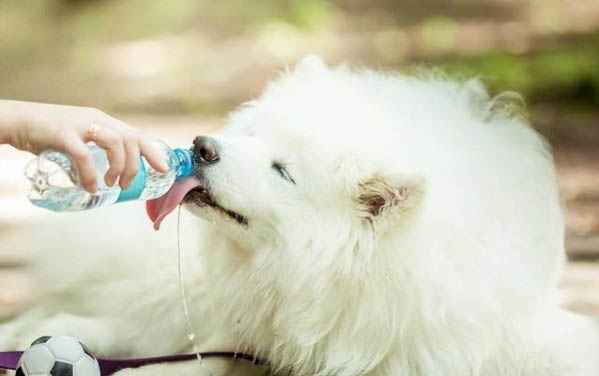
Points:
(137, 186)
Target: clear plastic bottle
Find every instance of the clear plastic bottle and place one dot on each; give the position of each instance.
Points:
(55, 181)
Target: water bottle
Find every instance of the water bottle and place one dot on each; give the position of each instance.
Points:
(55, 181)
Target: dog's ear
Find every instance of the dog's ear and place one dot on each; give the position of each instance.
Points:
(382, 196)
(310, 64)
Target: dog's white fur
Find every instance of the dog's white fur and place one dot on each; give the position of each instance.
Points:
(423, 236)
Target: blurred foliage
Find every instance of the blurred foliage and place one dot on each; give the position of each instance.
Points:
(206, 56)
(566, 74)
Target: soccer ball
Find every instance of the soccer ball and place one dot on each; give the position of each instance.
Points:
(57, 356)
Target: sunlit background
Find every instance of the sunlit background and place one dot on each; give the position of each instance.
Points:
(177, 67)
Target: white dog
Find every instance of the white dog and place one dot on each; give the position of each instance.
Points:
(352, 223)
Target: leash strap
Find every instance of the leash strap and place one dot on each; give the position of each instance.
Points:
(10, 359)
(108, 366)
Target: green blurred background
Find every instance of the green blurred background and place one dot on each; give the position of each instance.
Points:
(182, 65)
(205, 56)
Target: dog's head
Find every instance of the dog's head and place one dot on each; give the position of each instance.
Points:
(301, 168)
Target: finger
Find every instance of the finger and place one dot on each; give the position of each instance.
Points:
(108, 139)
(79, 153)
(131, 163)
(154, 157)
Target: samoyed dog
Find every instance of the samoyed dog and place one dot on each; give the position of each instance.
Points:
(347, 222)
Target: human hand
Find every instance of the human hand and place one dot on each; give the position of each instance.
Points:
(36, 127)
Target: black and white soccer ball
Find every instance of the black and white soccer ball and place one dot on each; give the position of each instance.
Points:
(58, 356)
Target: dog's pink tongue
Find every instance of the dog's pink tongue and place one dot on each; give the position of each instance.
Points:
(160, 207)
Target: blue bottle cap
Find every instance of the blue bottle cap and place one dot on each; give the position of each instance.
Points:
(185, 161)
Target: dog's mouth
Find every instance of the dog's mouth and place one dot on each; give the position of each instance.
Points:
(189, 190)
(201, 197)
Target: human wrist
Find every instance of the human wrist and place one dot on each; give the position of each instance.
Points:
(9, 121)
(15, 117)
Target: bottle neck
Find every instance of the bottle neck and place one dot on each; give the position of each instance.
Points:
(185, 162)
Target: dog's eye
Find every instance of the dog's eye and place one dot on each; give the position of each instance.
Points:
(280, 168)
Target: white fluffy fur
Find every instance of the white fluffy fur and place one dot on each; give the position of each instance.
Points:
(424, 237)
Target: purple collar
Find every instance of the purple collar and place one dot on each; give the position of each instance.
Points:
(108, 366)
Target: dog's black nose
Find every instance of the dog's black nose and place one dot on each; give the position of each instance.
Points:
(205, 150)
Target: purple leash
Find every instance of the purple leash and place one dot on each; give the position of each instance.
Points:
(108, 366)
(10, 359)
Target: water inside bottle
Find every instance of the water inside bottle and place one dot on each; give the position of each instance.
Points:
(55, 181)
(55, 184)
(72, 200)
